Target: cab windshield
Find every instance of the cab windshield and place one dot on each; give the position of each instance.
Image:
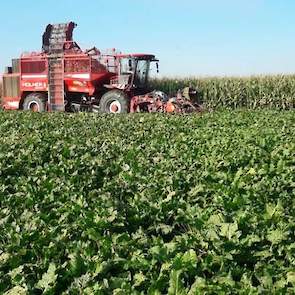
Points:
(137, 67)
(142, 72)
(127, 66)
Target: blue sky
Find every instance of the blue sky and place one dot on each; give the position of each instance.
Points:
(190, 37)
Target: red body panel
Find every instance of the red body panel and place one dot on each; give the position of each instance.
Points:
(80, 80)
(10, 103)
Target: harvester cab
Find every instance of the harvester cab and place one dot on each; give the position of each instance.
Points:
(133, 72)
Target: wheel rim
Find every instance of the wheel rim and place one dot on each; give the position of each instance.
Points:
(115, 107)
(33, 106)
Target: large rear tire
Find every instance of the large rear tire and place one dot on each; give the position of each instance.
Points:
(35, 102)
(114, 101)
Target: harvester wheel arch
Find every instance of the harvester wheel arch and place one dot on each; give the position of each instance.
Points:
(114, 101)
(35, 102)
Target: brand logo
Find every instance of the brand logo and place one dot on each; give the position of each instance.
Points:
(34, 84)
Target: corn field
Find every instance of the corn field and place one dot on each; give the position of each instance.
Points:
(251, 92)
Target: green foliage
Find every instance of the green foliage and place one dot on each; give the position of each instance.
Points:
(147, 204)
(234, 92)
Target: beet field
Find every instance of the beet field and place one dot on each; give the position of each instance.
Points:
(147, 204)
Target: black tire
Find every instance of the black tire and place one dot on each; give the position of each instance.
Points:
(35, 102)
(95, 109)
(112, 100)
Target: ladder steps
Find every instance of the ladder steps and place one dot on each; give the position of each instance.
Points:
(57, 39)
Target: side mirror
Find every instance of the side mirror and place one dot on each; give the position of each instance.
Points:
(157, 65)
(130, 64)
